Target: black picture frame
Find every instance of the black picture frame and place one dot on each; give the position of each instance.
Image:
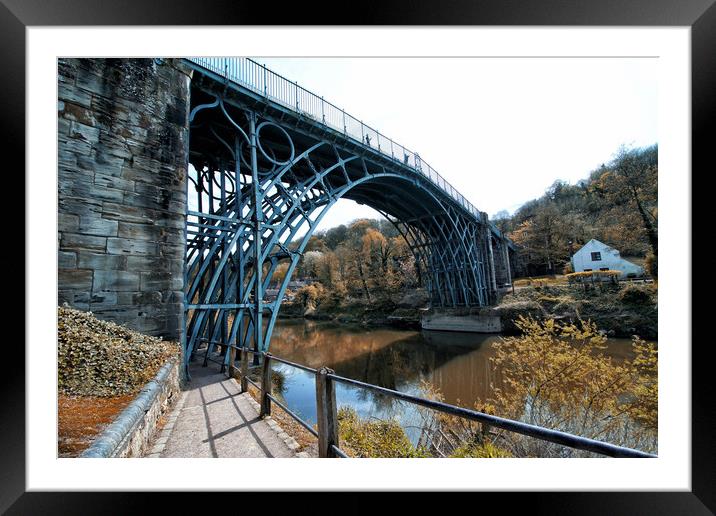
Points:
(17, 15)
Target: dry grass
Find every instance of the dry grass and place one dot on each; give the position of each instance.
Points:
(81, 419)
(541, 281)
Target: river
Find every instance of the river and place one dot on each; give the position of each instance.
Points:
(458, 364)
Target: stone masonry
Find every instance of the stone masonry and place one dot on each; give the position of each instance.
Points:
(122, 150)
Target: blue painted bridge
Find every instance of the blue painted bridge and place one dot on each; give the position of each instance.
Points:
(269, 157)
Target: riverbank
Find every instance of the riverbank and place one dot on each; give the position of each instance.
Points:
(619, 310)
(404, 312)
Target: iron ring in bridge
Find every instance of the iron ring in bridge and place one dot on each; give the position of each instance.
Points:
(290, 143)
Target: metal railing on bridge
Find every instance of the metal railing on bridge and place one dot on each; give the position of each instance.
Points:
(276, 88)
(327, 409)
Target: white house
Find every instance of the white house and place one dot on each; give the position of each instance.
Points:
(595, 256)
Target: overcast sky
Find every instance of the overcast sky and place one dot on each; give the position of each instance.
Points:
(500, 130)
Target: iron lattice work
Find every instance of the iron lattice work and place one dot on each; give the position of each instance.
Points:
(261, 172)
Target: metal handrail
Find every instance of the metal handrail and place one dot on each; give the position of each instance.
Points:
(295, 416)
(534, 431)
(538, 432)
(276, 88)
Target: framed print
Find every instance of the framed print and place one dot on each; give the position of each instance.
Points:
(656, 59)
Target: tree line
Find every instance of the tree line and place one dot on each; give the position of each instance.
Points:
(616, 204)
(367, 259)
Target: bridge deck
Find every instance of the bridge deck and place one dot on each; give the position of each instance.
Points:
(214, 419)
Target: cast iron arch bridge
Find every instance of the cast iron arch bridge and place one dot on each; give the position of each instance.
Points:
(269, 157)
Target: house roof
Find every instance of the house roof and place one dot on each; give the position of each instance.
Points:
(597, 242)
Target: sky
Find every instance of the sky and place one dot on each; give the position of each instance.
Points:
(500, 130)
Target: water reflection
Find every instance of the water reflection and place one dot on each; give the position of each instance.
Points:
(458, 364)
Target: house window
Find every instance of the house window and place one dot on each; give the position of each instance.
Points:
(587, 270)
(596, 257)
(603, 268)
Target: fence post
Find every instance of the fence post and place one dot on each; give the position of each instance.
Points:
(266, 386)
(326, 413)
(244, 370)
(232, 359)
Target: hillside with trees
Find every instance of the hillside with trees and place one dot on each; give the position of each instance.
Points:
(616, 204)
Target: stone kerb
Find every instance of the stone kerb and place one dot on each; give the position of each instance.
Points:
(130, 433)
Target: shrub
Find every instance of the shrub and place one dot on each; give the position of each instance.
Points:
(480, 451)
(510, 311)
(309, 295)
(587, 276)
(379, 438)
(635, 295)
(556, 376)
(100, 358)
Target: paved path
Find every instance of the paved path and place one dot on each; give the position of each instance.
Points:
(213, 419)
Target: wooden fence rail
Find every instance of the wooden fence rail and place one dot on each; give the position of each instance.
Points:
(327, 409)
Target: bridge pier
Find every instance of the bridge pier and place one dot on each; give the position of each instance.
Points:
(122, 152)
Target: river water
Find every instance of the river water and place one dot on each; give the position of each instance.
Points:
(456, 363)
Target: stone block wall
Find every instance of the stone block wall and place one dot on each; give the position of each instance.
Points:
(123, 157)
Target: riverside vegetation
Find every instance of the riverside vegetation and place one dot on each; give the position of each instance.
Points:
(556, 377)
(394, 297)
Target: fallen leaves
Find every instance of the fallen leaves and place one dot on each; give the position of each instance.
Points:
(103, 359)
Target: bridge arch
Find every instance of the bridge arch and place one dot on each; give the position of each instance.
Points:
(261, 174)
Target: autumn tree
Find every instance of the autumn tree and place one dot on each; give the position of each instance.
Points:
(502, 220)
(544, 236)
(367, 258)
(556, 376)
(631, 179)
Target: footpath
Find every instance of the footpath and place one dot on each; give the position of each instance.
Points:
(212, 418)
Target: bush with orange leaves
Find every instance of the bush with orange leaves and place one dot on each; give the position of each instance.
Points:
(556, 376)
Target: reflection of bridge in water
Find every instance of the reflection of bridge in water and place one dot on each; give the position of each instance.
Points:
(458, 364)
(270, 159)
